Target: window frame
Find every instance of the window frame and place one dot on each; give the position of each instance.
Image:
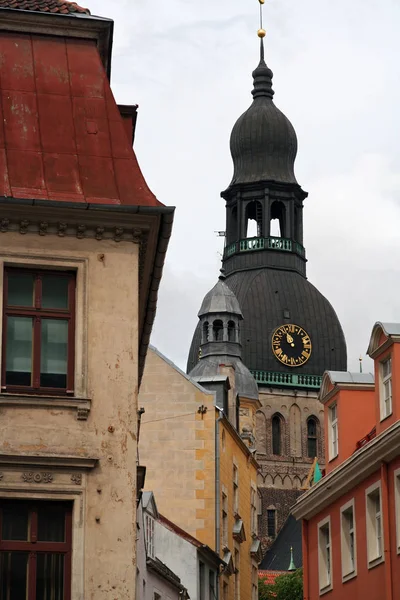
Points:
(397, 507)
(348, 561)
(35, 547)
(333, 431)
(325, 579)
(224, 510)
(383, 380)
(375, 548)
(235, 483)
(149, 531)
(254, 515)
(36, 313)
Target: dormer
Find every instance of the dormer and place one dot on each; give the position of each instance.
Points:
(349, 406)
(384, 349)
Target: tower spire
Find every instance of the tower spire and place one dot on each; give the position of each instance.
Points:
(262, 75)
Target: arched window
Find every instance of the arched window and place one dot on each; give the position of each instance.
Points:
(205, 332)
(276, 435)
(312, 437)
(218, 329)
(277, 226)
(233, 225)
(254, 219)
(231, 331)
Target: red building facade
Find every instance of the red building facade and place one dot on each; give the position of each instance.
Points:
(351, 517)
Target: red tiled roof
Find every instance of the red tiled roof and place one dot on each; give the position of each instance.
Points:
(61, 134)
(269, 576)
(50, 6)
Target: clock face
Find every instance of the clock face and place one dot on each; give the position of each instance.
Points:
(291, 345)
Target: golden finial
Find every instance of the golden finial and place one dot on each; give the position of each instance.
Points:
(261, 32)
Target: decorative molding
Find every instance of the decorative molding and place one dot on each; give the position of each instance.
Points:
(43, 225)
(32, 477)
(4, 225)
(81, 405)
(77, 478)
(1, 476)
(23, 226)
(47, 461)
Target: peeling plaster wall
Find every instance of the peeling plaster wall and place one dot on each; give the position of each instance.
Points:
(104, 534)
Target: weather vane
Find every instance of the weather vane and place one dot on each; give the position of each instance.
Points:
(261, 32)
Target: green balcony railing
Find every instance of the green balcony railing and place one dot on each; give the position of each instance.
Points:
(260, 243)
(287, 379)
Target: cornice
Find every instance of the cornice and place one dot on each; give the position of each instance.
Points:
(48, 460)
(352, 471)
(81, 405)
(346, 386)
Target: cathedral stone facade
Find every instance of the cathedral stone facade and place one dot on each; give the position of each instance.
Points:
(290, 333)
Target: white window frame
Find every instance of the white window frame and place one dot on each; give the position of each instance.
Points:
(149, 529)
(397, 507)
(374, 525)
(254, 515)
(333, 431)
(386, 403)
(348, 540)
(325, 566)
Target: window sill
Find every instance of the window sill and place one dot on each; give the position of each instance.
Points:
(325, 589)
(349, 576)
(331, 458)
(375, 562)
(386, 417)
(81, 405)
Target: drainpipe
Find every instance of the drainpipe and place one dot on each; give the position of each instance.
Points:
(386, 533)
(304, 540)
(217, 492)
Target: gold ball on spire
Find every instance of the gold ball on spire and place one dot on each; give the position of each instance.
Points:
(261, 33)
(261, 1)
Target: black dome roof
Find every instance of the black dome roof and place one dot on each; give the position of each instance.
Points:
(264, 295)
(263, 141)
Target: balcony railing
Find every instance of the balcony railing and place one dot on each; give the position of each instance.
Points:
(260, 243)
(287, 379)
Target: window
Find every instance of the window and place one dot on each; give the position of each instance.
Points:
(253, 499)
(35, 550)
(271, 522)
(254, 583)
(348, 541)
(205, 332)
(225, 589)
(324, 555)
(38, 331)
(386, 388)
(211, 585)
(276, 435)
(150, 535)
(224, 520)
(237, 574)
(235, 490)
(202, 582)
(374, 524)
(311, 437)
(333, 432)
(157, 596)
(397, 506)
(218, 330)
(231, 331)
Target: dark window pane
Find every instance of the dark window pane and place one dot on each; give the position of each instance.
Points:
(49, 577)
(54, 353)
(271, 523)
(20, 289)
(51, 523)
(312, 447)
(15, 521)
(19, 351)
(54, 291)
(13, 575)
(276, 435)
(312, 427)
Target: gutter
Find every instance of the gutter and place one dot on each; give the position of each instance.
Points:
(217, 492)
(386, 533)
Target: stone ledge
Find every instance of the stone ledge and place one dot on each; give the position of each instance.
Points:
(81, 405)
(48, 460)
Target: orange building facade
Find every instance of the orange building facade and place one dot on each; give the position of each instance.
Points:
(351, 517)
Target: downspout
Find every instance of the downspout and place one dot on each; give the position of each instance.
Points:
(386, 533)
(304, 542)
(217, 492)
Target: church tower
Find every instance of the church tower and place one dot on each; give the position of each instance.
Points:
(290, 333)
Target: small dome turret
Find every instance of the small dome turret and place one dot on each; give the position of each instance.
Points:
(220, 299)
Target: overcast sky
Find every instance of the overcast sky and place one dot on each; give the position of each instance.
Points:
(336, 77)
